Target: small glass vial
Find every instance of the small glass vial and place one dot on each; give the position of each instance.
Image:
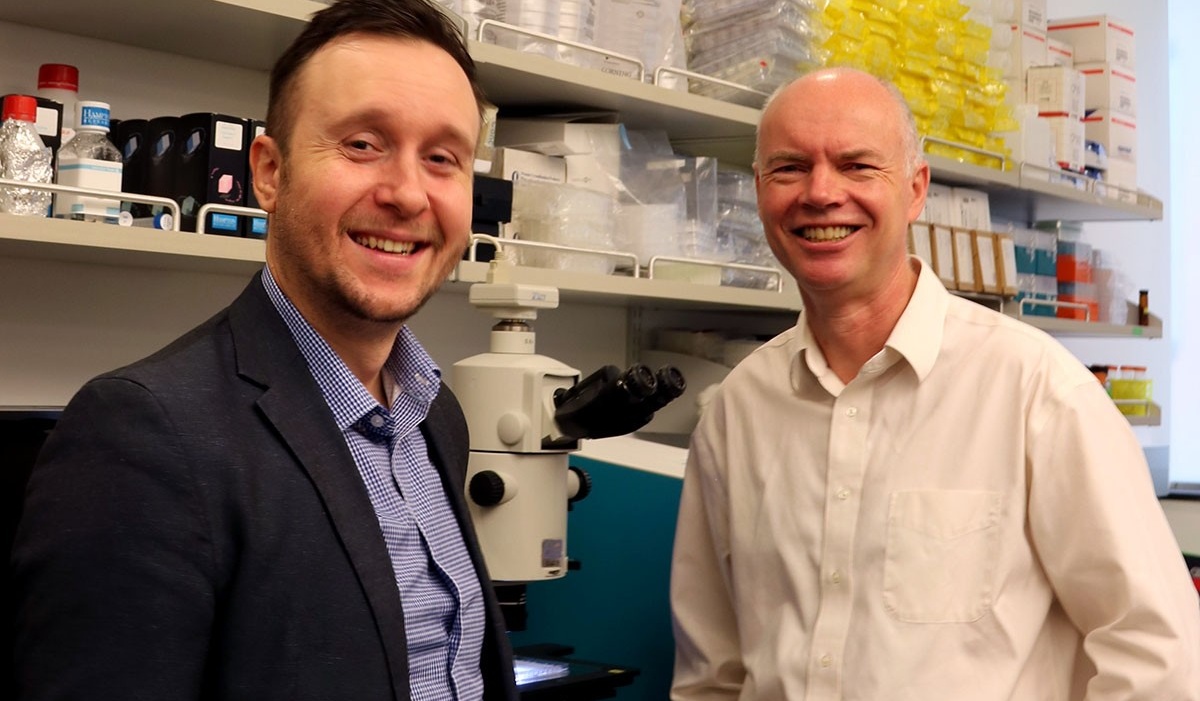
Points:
(90, 161)
(1143, 307)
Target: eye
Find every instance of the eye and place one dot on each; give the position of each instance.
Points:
(360, 145)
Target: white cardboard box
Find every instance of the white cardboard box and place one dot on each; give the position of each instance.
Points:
(939, 206)
(1057, 91)
(1122, 174)
(974, 209)
(1059, 53)
(562, 137)
(1109, 87)
(1033, 142)
(1116, 132)
(1031, 13)
(1068, 135)
(1096, 38)
(517, 164)
(1026, 47)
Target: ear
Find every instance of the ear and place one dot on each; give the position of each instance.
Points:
(265, 164)
(920, 188)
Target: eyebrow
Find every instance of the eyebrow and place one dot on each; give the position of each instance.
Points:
(841, 157)
(375, 115)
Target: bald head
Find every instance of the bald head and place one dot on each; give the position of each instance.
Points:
(833, 84)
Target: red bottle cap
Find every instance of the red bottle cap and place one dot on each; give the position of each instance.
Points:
(22, 107)
(58, 76)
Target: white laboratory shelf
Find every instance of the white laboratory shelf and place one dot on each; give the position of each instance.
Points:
(105, 244)
(1092, 329)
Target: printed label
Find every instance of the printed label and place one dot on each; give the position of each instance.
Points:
(229, 136)
(92, 174)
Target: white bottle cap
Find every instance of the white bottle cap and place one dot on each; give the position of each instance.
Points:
(93, 115)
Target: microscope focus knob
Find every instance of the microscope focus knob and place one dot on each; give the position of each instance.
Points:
(487, 488)
(579, 484)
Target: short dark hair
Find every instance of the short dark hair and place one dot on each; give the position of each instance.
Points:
(419, 20)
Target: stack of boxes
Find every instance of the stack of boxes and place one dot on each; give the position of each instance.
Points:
(1076, 284)
(1037, 270)
(1019, 42)
(954, 236)
(1104, 54)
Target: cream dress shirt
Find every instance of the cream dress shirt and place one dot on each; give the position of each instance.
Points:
(970, 518)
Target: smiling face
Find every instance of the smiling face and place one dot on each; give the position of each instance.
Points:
(835, 191)
(371, 195)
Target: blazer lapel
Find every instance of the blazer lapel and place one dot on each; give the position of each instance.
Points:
(292, 403)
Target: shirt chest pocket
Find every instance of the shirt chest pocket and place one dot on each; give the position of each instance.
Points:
(942, 548)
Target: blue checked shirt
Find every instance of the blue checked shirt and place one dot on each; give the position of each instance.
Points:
(439, 588)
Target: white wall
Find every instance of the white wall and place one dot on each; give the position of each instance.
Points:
(1184, 56)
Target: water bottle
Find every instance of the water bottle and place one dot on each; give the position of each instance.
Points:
(91, 161)
(23, 156)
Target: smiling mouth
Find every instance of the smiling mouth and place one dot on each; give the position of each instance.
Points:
(403, 248)
(825, 233)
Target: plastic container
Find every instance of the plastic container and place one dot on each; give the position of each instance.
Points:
(60, 82)
(90, 161)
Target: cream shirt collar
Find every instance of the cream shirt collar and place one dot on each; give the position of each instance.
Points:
(916, 337)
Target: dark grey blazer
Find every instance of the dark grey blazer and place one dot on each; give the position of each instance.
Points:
(196, 529)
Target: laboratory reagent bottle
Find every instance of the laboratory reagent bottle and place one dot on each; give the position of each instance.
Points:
(90, 161)
(23, 156)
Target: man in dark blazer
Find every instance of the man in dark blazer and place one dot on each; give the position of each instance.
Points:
(272, 506)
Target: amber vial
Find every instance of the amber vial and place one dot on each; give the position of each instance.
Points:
(1143, 307)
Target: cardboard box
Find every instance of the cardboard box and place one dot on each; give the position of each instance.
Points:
(1026, 47)
(1059, 53)
(1121, 180)
(1096, 38)
(1108, 87)
(568, 136)
(1006, 264)
(1031, 13)
(1056, 90)
(939, 206)
(1116, 132)
(1068, 133)
(974, 210)
(984, 255)
(920, 242)
(210, 168)
(964, 261)
(520, 165)
(1033, 142)
(943, 254)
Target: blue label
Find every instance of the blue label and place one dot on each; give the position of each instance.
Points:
(93, 116)
(223, 222)
(258, 226)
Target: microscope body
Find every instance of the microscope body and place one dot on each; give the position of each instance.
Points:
(508, 401)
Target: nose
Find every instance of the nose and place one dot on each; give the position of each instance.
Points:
(402, 186)
(825, 188)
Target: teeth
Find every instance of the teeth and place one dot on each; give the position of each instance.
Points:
(385, 245)
(826, 233)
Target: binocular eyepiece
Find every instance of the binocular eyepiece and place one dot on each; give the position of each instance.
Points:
(611, 402)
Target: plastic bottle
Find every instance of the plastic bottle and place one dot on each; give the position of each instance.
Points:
(60, 82)
(90, 160)
(23, 156)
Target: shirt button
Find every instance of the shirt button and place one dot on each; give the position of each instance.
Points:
(826, 660)
(376, 420)
(852, 412)
(843, 494)
(835, 577)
